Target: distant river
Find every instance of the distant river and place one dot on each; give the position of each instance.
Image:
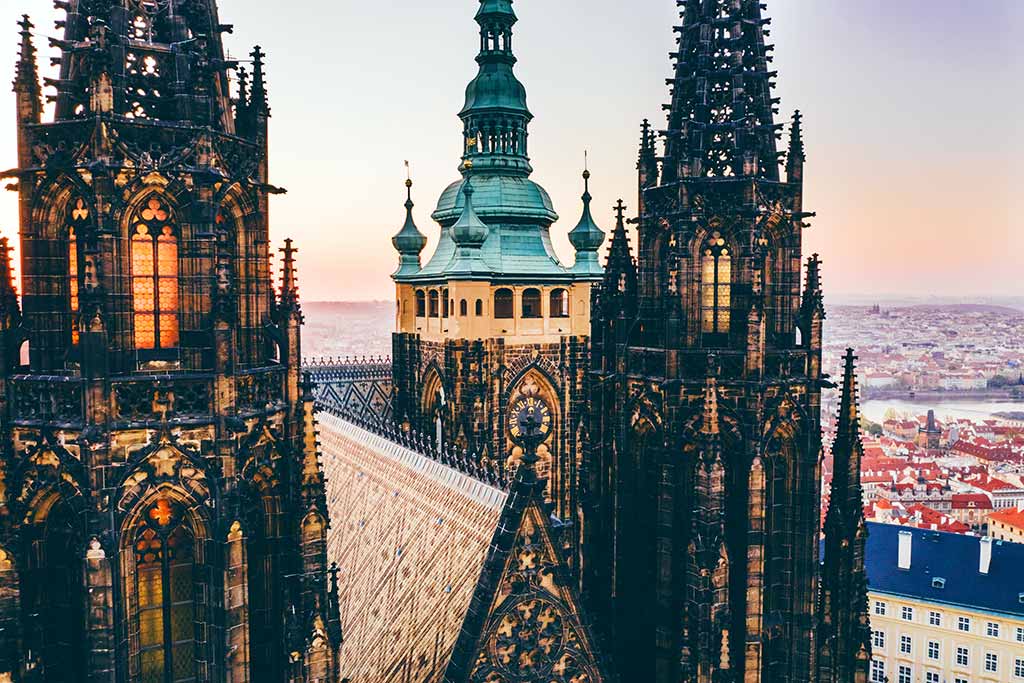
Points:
(957, 408)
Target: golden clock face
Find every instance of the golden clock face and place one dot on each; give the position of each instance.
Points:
(529, 416)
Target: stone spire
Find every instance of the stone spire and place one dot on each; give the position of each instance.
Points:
(796, 156)
(495, 115)
(28, 95)
(620, 272)
(587, 238)
(289, 281)
(721, 117)
(242, 103)
(258, 99)
(844, 630)
(165, 63)
(10, 310)
(814, 300)
(647, 164)
(409, 241)
(26, 75)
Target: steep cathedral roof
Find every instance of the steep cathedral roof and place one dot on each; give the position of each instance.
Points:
(443, 576)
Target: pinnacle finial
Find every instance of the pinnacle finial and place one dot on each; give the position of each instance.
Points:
(796, 156)
(27, 71)
(10, 310)
(408, 241)
(289, 283)
(587, 237)
(258, 97)
(849, 408)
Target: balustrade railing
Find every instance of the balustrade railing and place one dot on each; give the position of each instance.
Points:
(46, 398)
(479, 467)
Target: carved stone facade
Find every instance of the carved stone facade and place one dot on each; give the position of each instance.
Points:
(163, 512)
(494, 314)
(701, 508)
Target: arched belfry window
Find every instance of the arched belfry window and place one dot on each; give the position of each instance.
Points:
(503, 304)
(716, 286)
(164, 578)
(155, 276)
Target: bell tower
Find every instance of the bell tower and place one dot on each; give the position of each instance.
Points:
(164, 516)
(494, 315)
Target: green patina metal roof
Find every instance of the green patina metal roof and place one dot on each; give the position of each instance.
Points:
(587, 238)
(517, 212)
(409, 241)
(495, 88)
(497, 196)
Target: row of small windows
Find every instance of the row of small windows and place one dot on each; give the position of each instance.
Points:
(934, 652)
(963, 623)
(438, 305)
(905, 672)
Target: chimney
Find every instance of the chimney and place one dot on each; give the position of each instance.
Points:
(906, 539)
(985, 560)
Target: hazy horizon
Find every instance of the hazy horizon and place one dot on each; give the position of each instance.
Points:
(911, 112)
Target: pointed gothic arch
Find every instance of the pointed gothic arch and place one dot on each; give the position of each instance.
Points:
(779, 542)
(432, 403)
(52, 578)
(154, 235)
(636, 562)
(166, 586)
(534, 380)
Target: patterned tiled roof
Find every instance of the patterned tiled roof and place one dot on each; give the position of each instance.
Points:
(410, 535)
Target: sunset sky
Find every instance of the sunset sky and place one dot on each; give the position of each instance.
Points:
(913, 123)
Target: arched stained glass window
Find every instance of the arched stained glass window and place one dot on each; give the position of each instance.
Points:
(164, 557)
(716, 286)
(78, 217)
(155, 277)
(73, 282)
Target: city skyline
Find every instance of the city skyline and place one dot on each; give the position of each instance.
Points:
(589, 87)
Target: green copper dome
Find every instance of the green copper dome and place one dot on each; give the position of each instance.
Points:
(408, 241)
(587, 238)
(495, 87)
(512, 198)
(469, 230)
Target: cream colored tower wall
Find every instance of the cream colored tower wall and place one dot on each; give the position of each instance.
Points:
(470, 312)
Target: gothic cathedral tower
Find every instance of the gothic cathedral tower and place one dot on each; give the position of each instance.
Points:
(494, 315)
(703, 487)
(163, 516)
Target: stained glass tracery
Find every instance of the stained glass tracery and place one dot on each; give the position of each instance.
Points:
(155, 277)
(716, 286)
(164, 589)
(77, 218)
